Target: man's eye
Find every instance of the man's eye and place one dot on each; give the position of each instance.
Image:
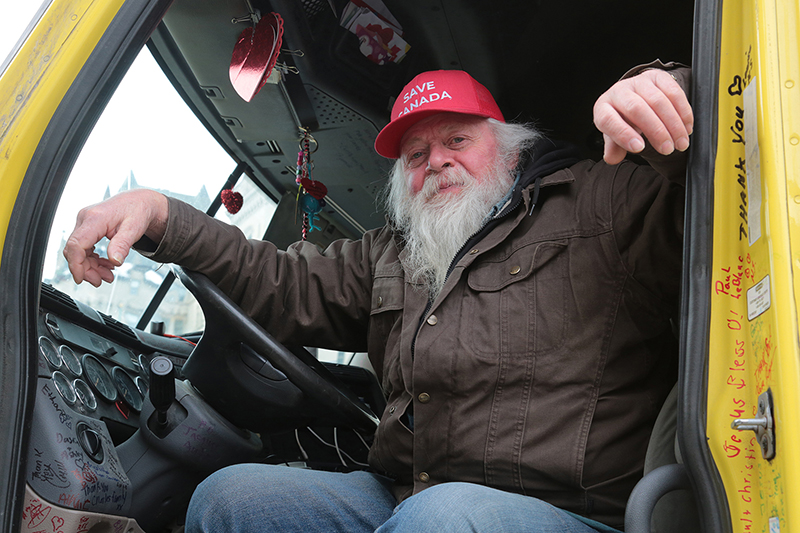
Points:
(457, 140)
(414, 159)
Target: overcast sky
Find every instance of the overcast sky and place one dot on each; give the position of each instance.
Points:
(146, 129)
(144, 126)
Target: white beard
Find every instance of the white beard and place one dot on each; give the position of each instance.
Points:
(435, 226)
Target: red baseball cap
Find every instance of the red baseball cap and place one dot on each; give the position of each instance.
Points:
(430, 93)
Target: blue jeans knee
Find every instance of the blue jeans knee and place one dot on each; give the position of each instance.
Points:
(467, 507)
(253, 497)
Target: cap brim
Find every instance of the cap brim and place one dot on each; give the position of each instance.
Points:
(387, 143)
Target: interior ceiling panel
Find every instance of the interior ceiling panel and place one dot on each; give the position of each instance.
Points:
(206, 36)
(545, 61)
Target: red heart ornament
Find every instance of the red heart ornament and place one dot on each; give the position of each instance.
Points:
(255, 55)
(232, 200)
(315, 188)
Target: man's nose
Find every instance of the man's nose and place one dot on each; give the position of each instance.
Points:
(439, 158)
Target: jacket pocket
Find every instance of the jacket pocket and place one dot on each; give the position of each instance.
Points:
(392, 452)
(516, 304)
(387, 294)
(385, 323)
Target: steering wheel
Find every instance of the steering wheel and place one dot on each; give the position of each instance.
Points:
(255, 381)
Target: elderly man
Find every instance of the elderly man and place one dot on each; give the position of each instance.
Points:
(517, 309)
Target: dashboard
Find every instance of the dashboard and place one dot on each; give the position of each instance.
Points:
(92, 382)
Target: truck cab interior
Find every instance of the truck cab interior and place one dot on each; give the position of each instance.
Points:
(154, 382)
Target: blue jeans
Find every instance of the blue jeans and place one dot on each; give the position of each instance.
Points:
(252, 497)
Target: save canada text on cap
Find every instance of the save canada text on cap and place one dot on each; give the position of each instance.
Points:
(430, 93)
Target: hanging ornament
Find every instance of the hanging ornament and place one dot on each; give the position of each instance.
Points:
(255, 53)
(310, 193)
(232, 200)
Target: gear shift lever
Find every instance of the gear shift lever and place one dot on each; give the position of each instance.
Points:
(162, 388)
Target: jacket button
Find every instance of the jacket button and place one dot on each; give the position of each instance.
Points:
(514, 270)
(473, 251)
(380, 301)
(392, 409)
(424, 397)
(424, 477)
(432, 320)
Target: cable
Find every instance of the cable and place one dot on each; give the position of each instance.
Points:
(302, 450)
(179, 337)
(336, 443)
(340, 452)
(331, 446)
(362, 439)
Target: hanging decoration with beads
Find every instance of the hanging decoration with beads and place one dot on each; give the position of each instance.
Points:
(310, 193)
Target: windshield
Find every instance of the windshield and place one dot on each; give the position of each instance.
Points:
(148, 138)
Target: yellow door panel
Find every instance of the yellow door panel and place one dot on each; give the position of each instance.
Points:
(754, 331)
(35, 82)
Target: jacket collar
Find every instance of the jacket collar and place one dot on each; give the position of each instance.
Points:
(546, 162)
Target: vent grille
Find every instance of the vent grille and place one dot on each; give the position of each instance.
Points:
(313, 7)
(329, 111)
(273, 146)
(117, 326)
(64, 301)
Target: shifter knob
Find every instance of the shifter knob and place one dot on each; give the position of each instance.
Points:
(162, 387)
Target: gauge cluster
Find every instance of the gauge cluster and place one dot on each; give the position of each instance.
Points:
(86, 381)
(94, 375)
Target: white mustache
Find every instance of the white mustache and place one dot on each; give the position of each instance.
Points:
(448, 177)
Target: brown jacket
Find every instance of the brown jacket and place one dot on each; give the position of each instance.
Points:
(539, 369)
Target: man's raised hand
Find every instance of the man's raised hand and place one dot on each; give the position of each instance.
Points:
(123, 219)
(651, 104)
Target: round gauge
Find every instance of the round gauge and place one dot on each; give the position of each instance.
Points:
(127, 388)
(137, 365)
(50, 352)
(142, 385)
(144, 362)
(64, 387)
(85, 394)
(99, 378)
(71, 359)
